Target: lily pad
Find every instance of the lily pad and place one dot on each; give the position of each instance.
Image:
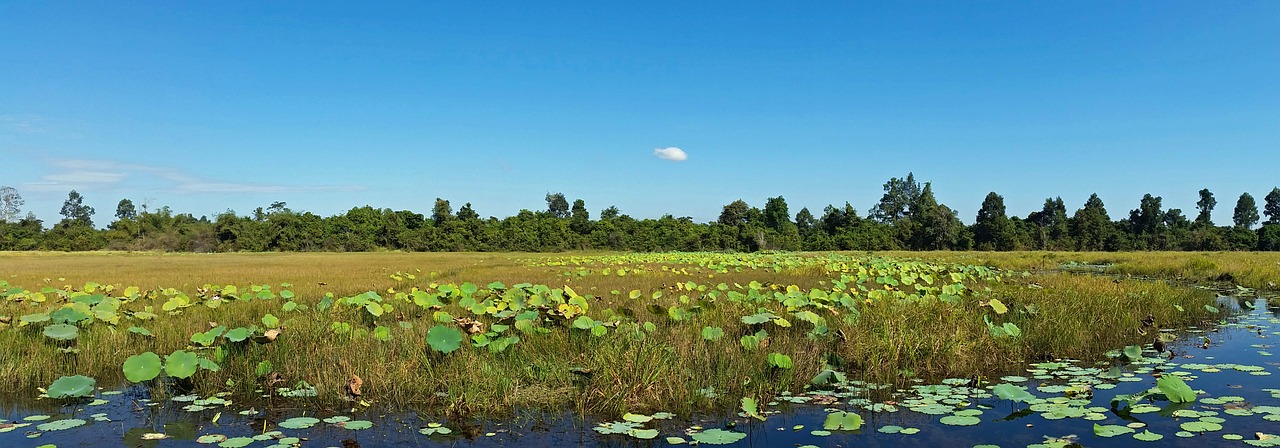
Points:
(444, 339)
(142, 367)
(72, 387)
(61, 332)
(181, 364)
(717, 436)
(58, 425)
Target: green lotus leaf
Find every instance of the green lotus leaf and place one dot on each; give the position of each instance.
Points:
(61, 332)
(1148, 436)
(1012, 392)
(1110, 430)
(58, 425)
(842, 421)
(712, 333)
(181, 364)
(959, 420)
(356, 425)
(717, 436)
(299, 423)
(236, 442)
(238, 334)
(142, 367)
(72, 387)
(1175, 389)
(444, 339)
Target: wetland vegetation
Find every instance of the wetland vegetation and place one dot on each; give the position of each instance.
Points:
(635, 342)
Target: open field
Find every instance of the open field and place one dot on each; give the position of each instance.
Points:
(596, 332)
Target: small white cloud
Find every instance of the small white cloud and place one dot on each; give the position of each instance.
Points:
(671, 153)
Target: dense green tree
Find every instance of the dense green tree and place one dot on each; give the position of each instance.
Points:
(126, 210)
(73, 209)
(805, 222)
(1246, 213)
(735, 213)
(580, 218)
(610, 213)
(557, 205)
(897, 199)
(1050, 223)
(1205, 205)
(935, 226)
(1272, 206)
(991, 229)
(10, 204)
(441, 211)
(1091, 227)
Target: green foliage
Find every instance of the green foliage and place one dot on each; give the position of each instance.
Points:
(444, 339)
(142, 367)
(76, 386)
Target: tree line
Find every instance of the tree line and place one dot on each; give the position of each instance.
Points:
(908, 216)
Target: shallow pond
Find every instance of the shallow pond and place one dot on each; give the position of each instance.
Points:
(1236, 403)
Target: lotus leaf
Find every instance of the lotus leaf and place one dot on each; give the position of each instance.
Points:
(236, 442)
(712, 333)
(643, 433)
(356, 425)
(444, 339)
(238, 334)
(1110, 430)
(1175, 389)
(142, 367)
(72, 387)
(299, 423)
(270, 321)
(843, 421)
(61, 332)
(959, 420)
(58, 425)
(1012, 392)
(140, 331)
(181, 364)
(717, 436)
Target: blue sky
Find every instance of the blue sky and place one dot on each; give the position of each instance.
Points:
(209, 106)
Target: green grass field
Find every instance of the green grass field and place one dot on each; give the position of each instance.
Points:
(595, 332)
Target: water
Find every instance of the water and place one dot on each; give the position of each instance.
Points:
(1234, 372)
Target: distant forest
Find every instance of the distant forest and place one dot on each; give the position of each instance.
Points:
(907, 217)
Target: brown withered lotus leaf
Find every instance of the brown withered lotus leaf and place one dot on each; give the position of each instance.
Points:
(469, 325)
(353, 386)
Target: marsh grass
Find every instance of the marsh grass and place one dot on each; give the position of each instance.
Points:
(668, 367)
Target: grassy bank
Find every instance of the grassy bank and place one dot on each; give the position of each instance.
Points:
(672, 332)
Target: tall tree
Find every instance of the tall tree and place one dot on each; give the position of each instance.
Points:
(610, 213)
(1148, 218)
(557, 205)
(735, 213)
(74, 210)
(126, 210)
(935, 226)
(1091, 226)
(441, 211)
(1272, 207)
(1205, 205)
(805, 221)
(897, 199)
(991, 227)
(776, 215)
(10, 204)
(1246, 213)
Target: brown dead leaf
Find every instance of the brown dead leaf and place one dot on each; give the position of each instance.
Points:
(273, 379)
(471, 326)
(271, 334)
(5, 319)
(353, 386)
(213, 325)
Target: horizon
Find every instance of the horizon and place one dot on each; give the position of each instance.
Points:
(656, 109)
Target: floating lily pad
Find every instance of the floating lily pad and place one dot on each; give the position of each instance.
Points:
(72, 387)
(299, 423)
(142, 367)
(58, 425)
(960, 420)
(717, 436)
